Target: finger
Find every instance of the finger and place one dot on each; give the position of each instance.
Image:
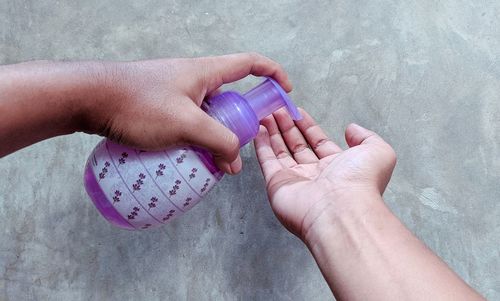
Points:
(269, 164)
(277, 143)
(232, 67)
(316, 137)
(213, 93)
(202, 130)
(356, 135)
(294, 140)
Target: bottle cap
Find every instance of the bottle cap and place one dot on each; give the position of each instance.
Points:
(268, 97)
(242, 113)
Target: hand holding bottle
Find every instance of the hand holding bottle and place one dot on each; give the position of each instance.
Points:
(154, 104)
(148, 105)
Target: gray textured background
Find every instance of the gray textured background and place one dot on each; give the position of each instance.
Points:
(424, 74)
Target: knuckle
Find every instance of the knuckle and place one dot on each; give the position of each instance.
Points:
(254, 55)
(394, 156)
(209, 73)
(203, 63)
(320, 142)
(274, 68)
(299, 147)
(233, 144)
(391, 155)
(228, 148)
(280, 154)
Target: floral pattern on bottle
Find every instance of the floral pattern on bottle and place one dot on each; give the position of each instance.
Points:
(187, 201)
(174, 189)
(146, 226)
(181, 158)
(159, 171)
(134, 213)
(153, 202)
(205, 186)
(116, 197)
(192, 175)
(123, 158)
(151, 187)
(169, 215)
(137, 185)
(104, 170)
(117, 185)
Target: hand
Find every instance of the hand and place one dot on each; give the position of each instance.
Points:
(332, 199)
(304, 184)
(155, 104)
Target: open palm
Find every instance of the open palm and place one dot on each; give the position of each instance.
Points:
(303, 182)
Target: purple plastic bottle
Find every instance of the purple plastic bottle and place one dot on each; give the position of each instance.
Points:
(137, 190)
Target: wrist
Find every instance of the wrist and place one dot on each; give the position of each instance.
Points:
(335, 213)
(72, 90)
(98, 90)
(44, 99)
(50, 91)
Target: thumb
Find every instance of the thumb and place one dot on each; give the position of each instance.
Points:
(356, 135)
(216, 138)
(232, 67)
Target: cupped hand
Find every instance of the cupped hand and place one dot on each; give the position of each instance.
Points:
(307, 175)
(155, 104)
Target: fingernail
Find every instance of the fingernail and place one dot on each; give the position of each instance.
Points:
(236, 165)
(225, 167)
(355, 125)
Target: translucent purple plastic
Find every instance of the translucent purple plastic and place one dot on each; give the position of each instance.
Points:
(242, 113)
(268, 97)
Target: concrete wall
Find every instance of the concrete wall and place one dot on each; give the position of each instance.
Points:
(424, 74)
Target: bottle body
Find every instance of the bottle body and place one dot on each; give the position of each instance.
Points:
(137, 190)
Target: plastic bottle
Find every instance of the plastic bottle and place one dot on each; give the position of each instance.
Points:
(137, 190)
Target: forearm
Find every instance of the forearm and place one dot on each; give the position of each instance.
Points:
(39, 100)
(366, 253)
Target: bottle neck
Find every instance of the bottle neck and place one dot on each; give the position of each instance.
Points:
(241, 114)
(264, 101)
(234, 112)
(268, 97)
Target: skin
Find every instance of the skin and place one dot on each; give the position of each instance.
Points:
(146, 104)
(332, 200)
(329, 197)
